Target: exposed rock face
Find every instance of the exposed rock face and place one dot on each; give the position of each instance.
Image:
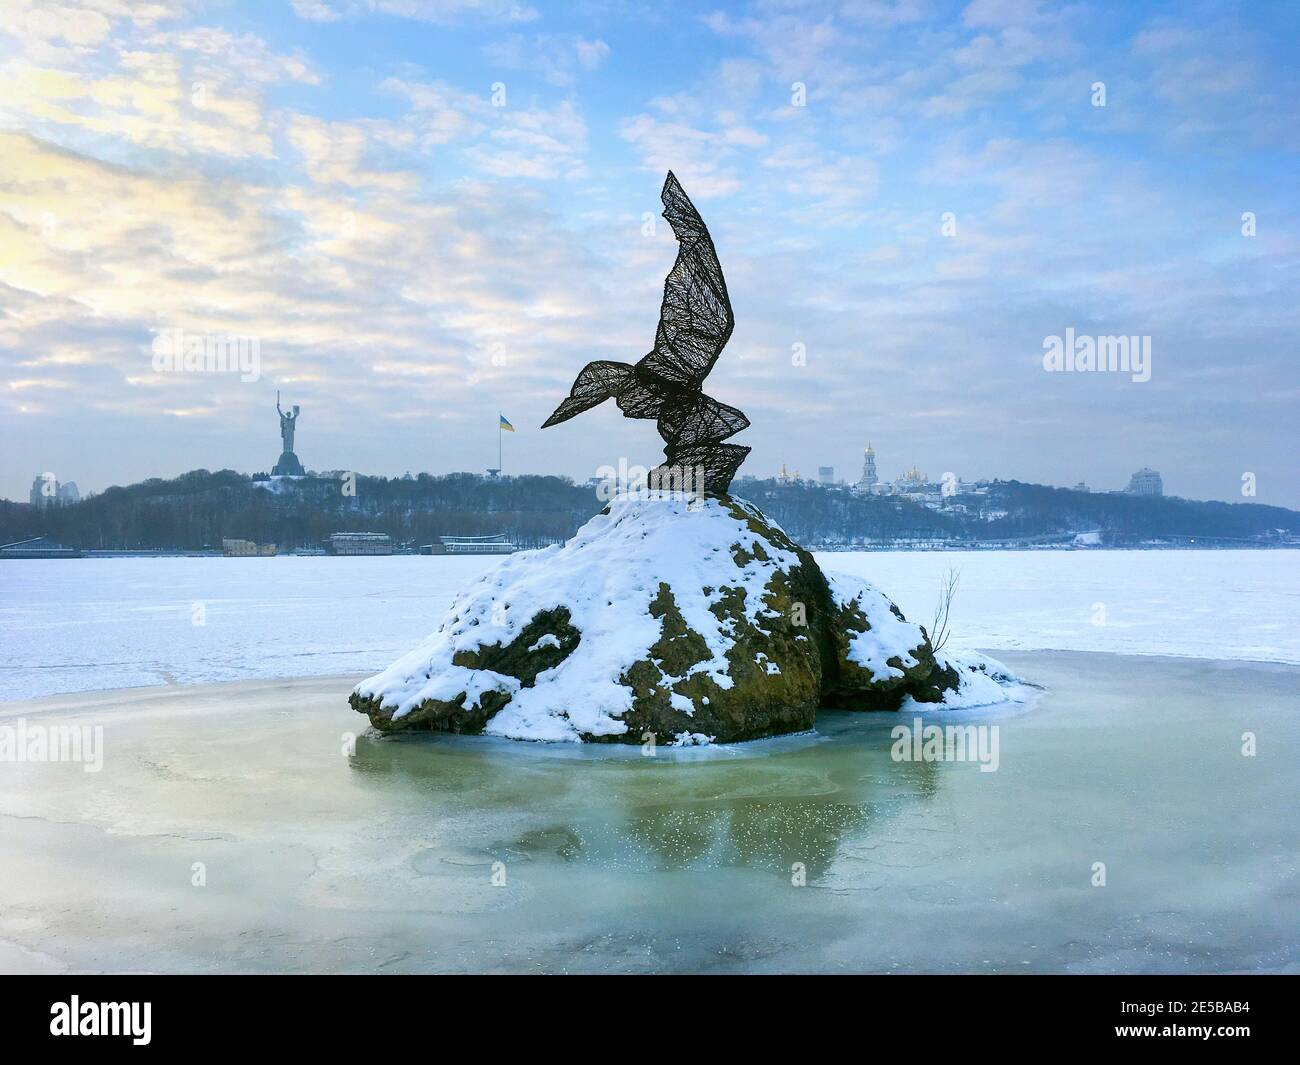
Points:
(879, 656)
(693, 620)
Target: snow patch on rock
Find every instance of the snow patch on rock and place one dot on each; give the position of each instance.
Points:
(603, 579)
(982, 681)
(889, 635)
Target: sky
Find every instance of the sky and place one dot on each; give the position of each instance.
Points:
(426, 212)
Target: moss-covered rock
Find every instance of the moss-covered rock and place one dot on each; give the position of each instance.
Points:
(682, 620)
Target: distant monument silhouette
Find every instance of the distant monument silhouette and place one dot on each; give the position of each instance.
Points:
(288, 466)
(695, 323)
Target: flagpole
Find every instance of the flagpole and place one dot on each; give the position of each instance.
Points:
(500, 471)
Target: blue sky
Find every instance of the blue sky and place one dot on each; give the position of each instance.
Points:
(333, 179)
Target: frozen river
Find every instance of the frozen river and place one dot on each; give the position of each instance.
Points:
(90, 624)
(258, 827)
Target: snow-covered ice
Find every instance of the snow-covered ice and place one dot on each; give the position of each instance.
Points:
(1242, 605)
(85, 624)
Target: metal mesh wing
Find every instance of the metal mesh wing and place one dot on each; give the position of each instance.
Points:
(596, 382)
(695, 320)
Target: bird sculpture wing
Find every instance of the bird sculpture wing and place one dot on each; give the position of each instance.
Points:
(596, 382)
(695, 320)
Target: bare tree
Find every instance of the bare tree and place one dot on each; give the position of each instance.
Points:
(939, 631)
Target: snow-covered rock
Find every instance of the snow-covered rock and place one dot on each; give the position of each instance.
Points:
(980, 681)
(679, 617)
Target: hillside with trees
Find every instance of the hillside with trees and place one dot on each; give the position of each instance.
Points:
(199, 509)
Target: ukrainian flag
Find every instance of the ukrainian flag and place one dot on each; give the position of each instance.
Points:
(503, 424)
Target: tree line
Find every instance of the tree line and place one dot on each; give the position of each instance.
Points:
(199, 509)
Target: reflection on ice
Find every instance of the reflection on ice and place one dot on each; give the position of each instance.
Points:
(325, 848)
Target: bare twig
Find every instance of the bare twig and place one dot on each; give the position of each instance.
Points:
(939, 631)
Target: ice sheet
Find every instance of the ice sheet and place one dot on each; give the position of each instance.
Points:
(83, 624)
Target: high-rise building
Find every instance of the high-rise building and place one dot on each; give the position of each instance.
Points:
(826, 474)
(45, 490)
(1146, 482)
(68, 492)
(869, 476)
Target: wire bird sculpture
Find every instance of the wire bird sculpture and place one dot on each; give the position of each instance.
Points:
(695, 322)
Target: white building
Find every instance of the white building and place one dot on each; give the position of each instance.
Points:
(359, 543)
(44, 490)
(917, 485)
(1146, 482)
(47, 490)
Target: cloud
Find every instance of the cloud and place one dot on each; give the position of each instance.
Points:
(439, 12)
(591, 54)
(314, 11)
(697, 155)
(350, 279)
(410, 255)
(188, 90)
(1003, 13)
(507, 141)
(47, 32)
(559, 60)
(332, 153)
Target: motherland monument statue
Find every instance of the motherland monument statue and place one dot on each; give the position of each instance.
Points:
(288, 464)
(680, 617)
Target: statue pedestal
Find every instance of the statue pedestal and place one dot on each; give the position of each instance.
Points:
(288, 466)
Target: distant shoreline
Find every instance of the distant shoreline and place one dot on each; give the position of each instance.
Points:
(978, 545)
(195, 512)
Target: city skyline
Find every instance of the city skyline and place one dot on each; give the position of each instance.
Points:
(409, 217)
(46, 487)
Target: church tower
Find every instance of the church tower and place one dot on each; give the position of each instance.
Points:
(869, 478)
